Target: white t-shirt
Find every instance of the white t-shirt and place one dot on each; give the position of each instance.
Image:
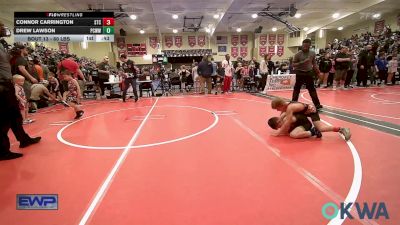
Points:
(392, 67)
(228, 66)
(194, 73)
(263, 66)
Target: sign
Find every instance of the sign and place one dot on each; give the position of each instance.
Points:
(281, 39)
(235, 40)
(153, 42)
(201, 40)
(379, 26)
(280, 51)
(244, 40)
(222, 40)
(178, 41)
(272, 39)
(243, 51)
(136, 49)
(168, 41)
(63, 47)
(37, 202)
(263, 39)
(222, 48)
(192, 41)
(263, 50)
(280, 82)
(234, 52)
(271, 50)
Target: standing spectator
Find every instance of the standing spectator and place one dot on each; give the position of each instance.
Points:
(10, 115)
(205, 71)
(264, 67)
(195, 77)
(37, 68)
(183, 74)
(365, 65)
(23, 103)
(381, 66)
(21, 67)
(351, 71)
(238, 74)
(219, 79)
(305, 65)
(392, 68)
(244, 73)
(254, 66)
(104, 75)
(228, 66)
(325, 65)
(343, 61)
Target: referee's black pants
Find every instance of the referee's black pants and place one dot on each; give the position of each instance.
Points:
(10, 117)
(308, 79)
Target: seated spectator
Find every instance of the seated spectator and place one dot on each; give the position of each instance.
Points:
(40, 96)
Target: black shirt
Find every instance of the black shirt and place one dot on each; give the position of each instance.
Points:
(5, 67)
(129, 68)
(21, 61)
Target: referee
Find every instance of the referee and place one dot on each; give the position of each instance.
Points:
(305, 66)
(10, 115)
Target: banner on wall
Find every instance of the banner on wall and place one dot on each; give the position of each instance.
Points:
(153, 42)
(379, 26)
(263, 50)
(243, 52)
(271, 50)
(201, 40)
(281, 39)
(178, 41)
(169, 41)
(263, 39)
(280, 51)
(272, 39)
(244, 39)
(235, 40)
(192, 41)
(121, 42)
(63, 47)
(136, 49)
(234, 52)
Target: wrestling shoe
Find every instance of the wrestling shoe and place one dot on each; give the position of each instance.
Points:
(316, 132)
(79, 114)
(346, 133)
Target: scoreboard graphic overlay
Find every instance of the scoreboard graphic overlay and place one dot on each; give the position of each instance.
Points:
(64, 26)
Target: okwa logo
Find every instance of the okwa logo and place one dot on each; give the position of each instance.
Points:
(375, 211)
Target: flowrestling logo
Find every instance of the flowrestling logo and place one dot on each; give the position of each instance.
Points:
(364, 210)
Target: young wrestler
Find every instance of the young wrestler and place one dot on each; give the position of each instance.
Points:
(293, 108)
(301, 127)
(73, 94)
(20, 93)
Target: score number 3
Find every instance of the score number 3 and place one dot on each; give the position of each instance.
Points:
(108, 21)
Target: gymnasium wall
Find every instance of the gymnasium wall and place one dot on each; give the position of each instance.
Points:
(369, 25)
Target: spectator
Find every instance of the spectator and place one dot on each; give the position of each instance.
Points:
(392, 68)
(104, 75)
(381, 66)
(342, 63)
(205, 71)
(228, 67)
